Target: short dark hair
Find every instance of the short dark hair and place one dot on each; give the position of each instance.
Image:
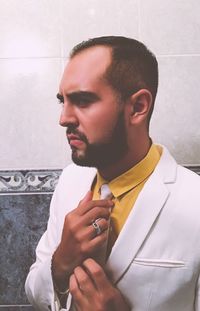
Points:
(133, 66)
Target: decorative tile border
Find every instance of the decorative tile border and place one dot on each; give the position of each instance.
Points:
(33, 181)
(28, 181)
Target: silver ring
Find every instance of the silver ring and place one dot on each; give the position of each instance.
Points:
(97, 228)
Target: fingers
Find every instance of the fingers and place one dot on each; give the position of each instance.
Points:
(87, 198)
(96, 213)
(88, 278)
(90, 242)
(87, 204)
(83, 280)
(97, 274)
(74, 287)
(82, 289)
(103, 224)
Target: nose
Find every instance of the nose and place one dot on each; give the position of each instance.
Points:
(68, 116)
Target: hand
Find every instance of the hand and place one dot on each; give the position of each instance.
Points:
(79, 240)
(91, 289)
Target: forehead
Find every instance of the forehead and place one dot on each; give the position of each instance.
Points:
(86, 68)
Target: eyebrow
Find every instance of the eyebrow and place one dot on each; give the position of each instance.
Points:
(74, 96)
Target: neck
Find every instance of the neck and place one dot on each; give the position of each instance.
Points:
(130, 159)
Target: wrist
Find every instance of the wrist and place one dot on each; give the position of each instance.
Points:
(60, 277)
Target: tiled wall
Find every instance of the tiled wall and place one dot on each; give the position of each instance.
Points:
(24, 208)
(35, 38)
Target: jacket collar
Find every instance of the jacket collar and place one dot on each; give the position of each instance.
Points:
(147, 208)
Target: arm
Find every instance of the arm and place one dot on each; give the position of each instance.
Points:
(70, 249)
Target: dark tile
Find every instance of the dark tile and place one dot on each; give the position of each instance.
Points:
(26, 308)
(10, 308)
(23, 219)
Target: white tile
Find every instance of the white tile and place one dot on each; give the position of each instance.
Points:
(30, 136)
(30, 28)
(177, 111)
(87, 19)
(170, 26)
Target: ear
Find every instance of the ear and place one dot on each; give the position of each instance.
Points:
(140, 105)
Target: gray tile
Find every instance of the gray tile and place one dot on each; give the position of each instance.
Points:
(22, 222)
(176, 118)
(29, 28)
(26, 308)
(170, 27)
(94, 18)
(29, 115)
(10, 308)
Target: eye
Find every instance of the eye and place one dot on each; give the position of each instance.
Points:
(83, 102)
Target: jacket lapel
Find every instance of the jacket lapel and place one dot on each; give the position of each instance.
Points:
(142, 217)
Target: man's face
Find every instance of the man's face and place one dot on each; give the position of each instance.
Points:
(92, 113)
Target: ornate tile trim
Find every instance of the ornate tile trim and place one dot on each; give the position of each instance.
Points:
(28, 181)
(38, 181)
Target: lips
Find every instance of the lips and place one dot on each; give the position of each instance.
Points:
(74, 140)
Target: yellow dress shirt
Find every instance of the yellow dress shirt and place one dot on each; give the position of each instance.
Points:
(126, 187)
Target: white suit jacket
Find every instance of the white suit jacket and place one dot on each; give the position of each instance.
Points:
(155, 261)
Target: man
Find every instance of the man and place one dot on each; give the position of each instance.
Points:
(136, 248)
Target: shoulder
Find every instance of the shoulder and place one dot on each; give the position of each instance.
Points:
(75, 171)
(173, 173)
(188, 178)
(74, 175)
(73, 184)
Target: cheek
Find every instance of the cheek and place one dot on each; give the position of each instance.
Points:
(100, 130)
(98, 122)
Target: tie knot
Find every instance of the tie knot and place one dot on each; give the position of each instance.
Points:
(105, 192)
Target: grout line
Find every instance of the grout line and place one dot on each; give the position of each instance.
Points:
(40, 169)
(30, 57)
(65, 57)
(61, 28)
(24, 193)
(3, 306)
(139, 19)
(178, 55)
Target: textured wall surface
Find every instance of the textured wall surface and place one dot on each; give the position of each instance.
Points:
(24, 208)
(35, 39)
(20, 230)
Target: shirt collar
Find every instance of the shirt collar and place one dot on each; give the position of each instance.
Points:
(135, 175)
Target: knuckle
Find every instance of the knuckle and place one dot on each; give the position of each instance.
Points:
(72, 223)
(83, 280)
(104, 223)
(97, 272)
(102, 212)
(73, 289)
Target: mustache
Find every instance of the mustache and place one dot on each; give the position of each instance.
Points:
(75, 131)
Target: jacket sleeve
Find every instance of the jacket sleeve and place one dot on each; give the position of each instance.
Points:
(39, 284)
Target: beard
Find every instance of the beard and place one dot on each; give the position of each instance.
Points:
(101, 155)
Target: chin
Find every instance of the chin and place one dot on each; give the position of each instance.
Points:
(79, 158)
